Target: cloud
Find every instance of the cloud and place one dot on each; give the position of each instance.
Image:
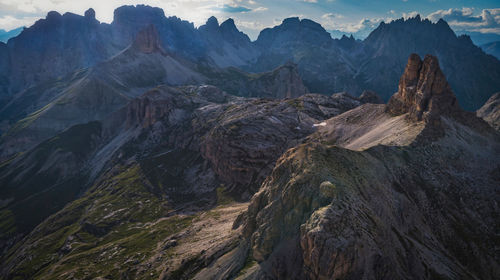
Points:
(233, 9)
(9, 22)
(310, 1)
(260, 9)
(488, 21)
(252, 25)
(334, 22)
(410, 14)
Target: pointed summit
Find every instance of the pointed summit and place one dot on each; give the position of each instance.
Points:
(229, 26)
(148, 40)
(90, 14)
(423, 91)
(212, 22)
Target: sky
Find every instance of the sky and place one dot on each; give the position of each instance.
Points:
(358, 17)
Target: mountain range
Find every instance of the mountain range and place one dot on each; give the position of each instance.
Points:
(70, 42)
(151, 149)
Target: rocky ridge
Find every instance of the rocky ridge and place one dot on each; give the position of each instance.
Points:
(381, 210)
(490, 112)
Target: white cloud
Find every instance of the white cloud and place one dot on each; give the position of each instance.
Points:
(487, 21)
(410, 14)
(331, 21)
(8, 22)
(260, 9)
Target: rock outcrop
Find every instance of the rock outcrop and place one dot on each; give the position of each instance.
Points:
(490, 112)
(423, 91)
(371, 97)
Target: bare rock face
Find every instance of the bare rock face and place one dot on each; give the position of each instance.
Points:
(490, 112)
(247, 138)
(170, 103)
(423, 91)
(282, 82)
(148, 40)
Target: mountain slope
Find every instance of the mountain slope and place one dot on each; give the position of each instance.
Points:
(382, 209)
(100, 91)
(185, 145)
(492, 48)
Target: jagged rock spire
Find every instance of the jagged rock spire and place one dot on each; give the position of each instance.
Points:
(423, 91)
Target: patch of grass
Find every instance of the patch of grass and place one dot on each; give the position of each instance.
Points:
(27, 121)
(222, 197)
(249, 263)
(77, 139)
(297, 104)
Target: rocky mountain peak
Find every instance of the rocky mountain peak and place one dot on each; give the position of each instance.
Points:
(293, 30)
(53, 15)
(423, 91)
(137, 14)
(228, 24)
(212, 22)
(90, 14)
(148, 40)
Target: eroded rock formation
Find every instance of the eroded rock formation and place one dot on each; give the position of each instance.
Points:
(423, 91)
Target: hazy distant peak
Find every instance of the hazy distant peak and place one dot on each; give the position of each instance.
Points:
(132, 13)
(90, 14)
(212, 22)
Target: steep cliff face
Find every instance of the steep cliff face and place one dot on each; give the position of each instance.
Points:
(148, 41)
(56, 46)
(226, 45)
(282, 82)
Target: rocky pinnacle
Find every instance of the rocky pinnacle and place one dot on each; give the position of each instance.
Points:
(423, 91)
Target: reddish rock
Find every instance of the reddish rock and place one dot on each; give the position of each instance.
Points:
(148, 40)
(423, 91)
